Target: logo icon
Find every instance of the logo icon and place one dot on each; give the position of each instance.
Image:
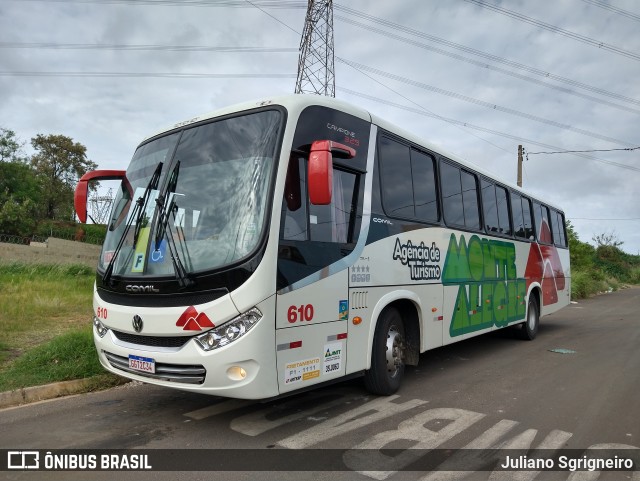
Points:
(137, 323)
(191, 320)
(23, 460)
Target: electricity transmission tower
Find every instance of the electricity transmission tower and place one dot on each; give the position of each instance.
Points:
(316, 74)
(100, 207)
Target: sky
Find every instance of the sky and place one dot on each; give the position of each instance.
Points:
(474, 77)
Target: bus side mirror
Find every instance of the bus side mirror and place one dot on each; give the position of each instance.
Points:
(320, 176)
(80, 196)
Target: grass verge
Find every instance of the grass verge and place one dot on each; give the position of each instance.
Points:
(45, 327)
(69, 356)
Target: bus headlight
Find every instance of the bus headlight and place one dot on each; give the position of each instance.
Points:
(101, 329)
(229, 331)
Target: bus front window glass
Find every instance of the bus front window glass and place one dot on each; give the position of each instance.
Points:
(143, 165)
(215, 202)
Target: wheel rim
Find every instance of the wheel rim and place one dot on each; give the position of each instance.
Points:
(395, 351)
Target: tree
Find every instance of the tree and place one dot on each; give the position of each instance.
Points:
(607, 239)
(59, 163)
(10, 146)
(19, 188)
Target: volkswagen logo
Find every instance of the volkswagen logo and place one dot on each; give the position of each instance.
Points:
(137, 323)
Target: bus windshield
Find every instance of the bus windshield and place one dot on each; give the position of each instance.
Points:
(208, 210)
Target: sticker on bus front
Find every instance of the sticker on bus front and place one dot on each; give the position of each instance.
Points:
(143, 364)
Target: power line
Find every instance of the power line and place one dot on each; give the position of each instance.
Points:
(554, 29)
(482, 103)
(186, 3)
(617, 10)
(478, 53)
(147, 47)
(579, 151)
(586, 218)
(148, 75)
(423, 110)
(484, 65)
(516, 138)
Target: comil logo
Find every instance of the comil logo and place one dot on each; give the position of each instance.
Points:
(191, 320)
(23, 460)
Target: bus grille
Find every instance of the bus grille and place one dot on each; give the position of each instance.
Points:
(193, 374)
(154, 341)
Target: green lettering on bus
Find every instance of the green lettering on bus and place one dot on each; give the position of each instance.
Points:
(489, 290)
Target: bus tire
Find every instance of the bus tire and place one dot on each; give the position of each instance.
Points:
(529, 328)
(387, 354)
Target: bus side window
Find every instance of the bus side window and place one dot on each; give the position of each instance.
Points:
(503, 210)
(395, 169)
(557, 220)
(452, 204)
(518, 218)
(408, 182)
(425, 193)
(528, 222)
(470, 201)
(489, 206)
(543, 226)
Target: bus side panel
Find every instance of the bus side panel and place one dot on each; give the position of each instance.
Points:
(484, 284)
(400, 265)
(311, 332)
(556, 284)
(310, 354)
(368, 302)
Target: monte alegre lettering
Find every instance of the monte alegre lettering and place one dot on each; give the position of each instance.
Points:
(489, 291)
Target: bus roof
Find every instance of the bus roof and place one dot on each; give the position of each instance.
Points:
(298, 102)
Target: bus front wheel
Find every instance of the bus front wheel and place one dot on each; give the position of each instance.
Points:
(387, 354)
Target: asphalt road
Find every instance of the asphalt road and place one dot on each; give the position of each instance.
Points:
(490, 393)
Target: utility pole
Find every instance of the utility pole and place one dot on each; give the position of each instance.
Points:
(519, 165)
(316, 72)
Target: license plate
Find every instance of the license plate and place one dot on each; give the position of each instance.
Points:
(143, 364)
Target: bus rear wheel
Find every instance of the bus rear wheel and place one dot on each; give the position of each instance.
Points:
(387, 355)
(529, 328)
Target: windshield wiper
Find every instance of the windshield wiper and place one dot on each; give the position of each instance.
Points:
(137, 214)
(165, 214)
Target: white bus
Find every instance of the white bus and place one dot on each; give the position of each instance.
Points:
(274, 246)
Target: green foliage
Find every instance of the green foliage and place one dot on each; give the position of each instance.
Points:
(602, 268)
(36, 194)
(10, 146)
(45, 324)
(20, 194)
(90, 233)
(72, 355)
(59, 163)
(38, 301)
